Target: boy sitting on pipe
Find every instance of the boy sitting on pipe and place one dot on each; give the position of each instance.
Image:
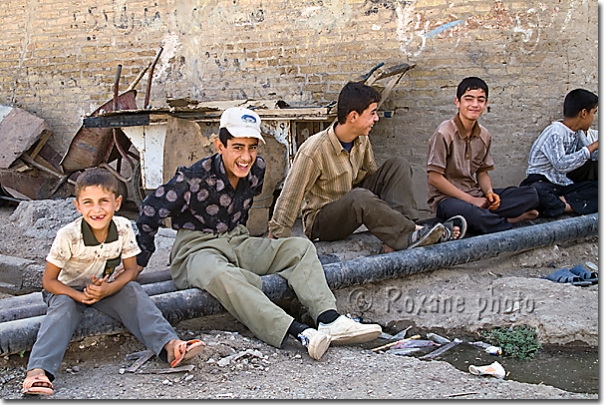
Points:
(336, 183)
(458, 165)
(80, 273)
(563, 163)
(209, 204)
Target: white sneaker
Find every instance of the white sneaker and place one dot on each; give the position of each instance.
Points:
(345, 331)
(315, 341)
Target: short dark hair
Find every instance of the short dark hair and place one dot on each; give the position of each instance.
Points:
(472, 83)
(97, 176)
(356, 96)
(224, 135)
(577, 100)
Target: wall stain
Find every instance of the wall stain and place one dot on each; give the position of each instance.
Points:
(414, 28)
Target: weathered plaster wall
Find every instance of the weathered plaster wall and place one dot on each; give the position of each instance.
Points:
(59, 57)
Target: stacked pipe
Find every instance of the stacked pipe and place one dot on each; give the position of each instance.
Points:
(20, 317)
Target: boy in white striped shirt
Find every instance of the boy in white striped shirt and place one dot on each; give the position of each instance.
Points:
(563, 164)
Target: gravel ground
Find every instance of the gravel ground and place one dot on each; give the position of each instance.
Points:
(92, 370)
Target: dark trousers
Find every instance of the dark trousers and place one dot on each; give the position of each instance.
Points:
(582, 196)
(383, 202)
(514, 202)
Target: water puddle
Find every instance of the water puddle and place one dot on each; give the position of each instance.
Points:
(573, 370)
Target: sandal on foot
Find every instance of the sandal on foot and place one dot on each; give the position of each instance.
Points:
(186, 350)
(31, 385)
(426, 236)
(456, 220)
(585, 274)
(565, 276)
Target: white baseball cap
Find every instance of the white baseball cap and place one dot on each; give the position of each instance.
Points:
(241, 123)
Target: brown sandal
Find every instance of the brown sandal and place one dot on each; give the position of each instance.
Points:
(37, 385)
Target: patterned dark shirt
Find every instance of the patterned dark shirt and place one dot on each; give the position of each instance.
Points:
(200, 198)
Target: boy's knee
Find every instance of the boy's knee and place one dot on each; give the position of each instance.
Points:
(399, 163)
(132, 287)
(298, 246)
(62, 302)
(207, 276)
(361, 196)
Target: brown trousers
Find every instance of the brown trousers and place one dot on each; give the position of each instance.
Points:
(383, 202)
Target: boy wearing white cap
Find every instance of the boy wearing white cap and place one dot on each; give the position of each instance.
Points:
(209, 204)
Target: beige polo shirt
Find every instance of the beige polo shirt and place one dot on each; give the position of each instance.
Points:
(322, 172)
(80, 256)
(457, 158)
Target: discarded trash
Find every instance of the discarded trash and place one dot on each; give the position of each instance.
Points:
(186, 367)
(495, 369)
(401, 334)
(376, 349)
(419, 343)
(592, 266)
(495, 350)
(441, 350)
(227, 360)
(437, 338)
(404, 351)
(142, 359)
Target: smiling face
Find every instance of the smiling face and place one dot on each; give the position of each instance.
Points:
(363, 123)
(472, 105)
(98, 205)
(238, 156)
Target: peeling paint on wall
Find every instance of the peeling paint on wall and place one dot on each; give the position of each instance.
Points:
(171, 47)
(320, 15)
(413, 27)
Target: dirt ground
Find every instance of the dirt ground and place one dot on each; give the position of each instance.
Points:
(237, 365)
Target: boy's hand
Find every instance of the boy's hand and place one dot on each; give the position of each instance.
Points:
(84, 298)
(480, 202)
(98, 290)
(98, 281)
(494, 201)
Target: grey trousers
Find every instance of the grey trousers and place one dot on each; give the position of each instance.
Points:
(383, 202)
(131, 306)
(229, 265)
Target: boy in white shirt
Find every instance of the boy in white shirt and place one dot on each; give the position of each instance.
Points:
(79, 273)
(563, 164)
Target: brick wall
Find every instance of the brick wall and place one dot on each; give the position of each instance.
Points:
(59, 57)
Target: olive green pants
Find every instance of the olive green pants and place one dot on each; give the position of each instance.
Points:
(229, 266)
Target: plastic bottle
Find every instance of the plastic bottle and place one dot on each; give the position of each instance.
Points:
(494, 350)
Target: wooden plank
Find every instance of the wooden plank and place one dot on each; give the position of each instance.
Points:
(41, 142)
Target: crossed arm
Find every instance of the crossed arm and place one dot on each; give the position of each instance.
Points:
(97, 289)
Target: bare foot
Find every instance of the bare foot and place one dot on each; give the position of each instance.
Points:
(34, 372)
(388, 249)
(456, 232)
(531, 214)
(169, 347)
(567, 207)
